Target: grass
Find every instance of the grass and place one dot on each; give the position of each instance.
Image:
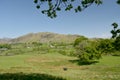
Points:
(53, 64)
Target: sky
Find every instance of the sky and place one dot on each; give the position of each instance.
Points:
(20, 17)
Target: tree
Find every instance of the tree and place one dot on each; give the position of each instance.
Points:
(53, 6)
(115, 32)
(106, 46)
(86, 50)
(116, 36)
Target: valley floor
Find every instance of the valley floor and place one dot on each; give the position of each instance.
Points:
(58, 65)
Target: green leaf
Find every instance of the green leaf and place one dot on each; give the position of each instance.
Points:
(115, 25)
(43, 12)
(76, 10)
(98, 2)
(42, 0)
(72, 0)
(118, 2)
(64, 0)
(118, 31)
(79, 8)
(112, 31)
(35, 1)
(58, 9)
(38, 6)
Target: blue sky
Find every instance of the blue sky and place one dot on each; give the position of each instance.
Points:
(19, 17)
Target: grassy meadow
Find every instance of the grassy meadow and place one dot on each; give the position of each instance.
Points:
(108, 68)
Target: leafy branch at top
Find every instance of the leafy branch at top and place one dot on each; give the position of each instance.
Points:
(52, 6)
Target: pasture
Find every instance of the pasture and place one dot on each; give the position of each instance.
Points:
(53, 64)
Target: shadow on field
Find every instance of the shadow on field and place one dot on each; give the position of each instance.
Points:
(83, 62)
(32, 76)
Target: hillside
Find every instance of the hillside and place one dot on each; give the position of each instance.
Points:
(44, 37)
(5, 40)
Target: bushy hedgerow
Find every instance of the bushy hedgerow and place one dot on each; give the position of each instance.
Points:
(8, 46)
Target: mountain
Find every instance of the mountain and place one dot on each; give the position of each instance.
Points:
(5, 40)
(45, 37)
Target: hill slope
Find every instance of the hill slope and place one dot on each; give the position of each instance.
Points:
(44, 37)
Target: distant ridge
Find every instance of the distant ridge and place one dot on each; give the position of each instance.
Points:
(45, 37)
(5, 40)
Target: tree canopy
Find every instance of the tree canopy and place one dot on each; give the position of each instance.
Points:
(115, 32)
(53, 6)
(116, 35)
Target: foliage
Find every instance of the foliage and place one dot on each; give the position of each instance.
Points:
(87, 51)
(118, 2)
(53, 6)
(8, 46)
(115, 32)
(116, 35)
(106, 46)
(56, 5)
(116, 53)
(78, 40)
(36, 43)
(117, 43)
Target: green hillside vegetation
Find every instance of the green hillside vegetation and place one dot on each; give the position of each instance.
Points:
(50, 56)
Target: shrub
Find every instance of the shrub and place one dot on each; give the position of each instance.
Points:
(87, 52)
(8, 46)
(106, 46)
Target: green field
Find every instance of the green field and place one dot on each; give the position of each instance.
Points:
(108, 68)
